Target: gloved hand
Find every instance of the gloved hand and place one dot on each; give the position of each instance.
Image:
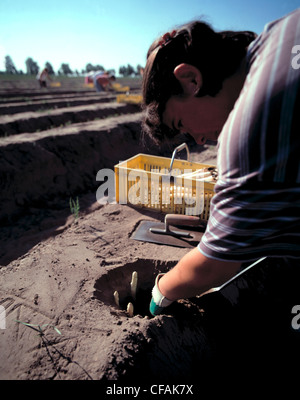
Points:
(158, 301)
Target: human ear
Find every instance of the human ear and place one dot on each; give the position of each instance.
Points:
(189, 77)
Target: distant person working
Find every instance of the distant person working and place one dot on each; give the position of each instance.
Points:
(42, 77)
(103, 81)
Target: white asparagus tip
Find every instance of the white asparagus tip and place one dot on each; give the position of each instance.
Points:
(133, 284)
(116, 297)
(130, 309)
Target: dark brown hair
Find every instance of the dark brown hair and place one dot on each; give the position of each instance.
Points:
(216, 54)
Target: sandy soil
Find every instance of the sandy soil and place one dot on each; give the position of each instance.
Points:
(58, 272)
(63, 272)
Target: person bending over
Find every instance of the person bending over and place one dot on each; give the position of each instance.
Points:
(241, 90)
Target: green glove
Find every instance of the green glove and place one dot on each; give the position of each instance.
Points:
(158, 301)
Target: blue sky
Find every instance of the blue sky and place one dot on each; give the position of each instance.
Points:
(114, 33)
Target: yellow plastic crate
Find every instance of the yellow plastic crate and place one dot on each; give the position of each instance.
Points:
(145, 181)
(55, 84)
(123, 89)
(129, 98)
(119, 88)
(88, 85)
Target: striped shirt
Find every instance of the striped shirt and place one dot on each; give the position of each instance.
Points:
(256, 208)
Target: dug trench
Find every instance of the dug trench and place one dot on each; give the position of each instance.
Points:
(171, 346)
(235, 331)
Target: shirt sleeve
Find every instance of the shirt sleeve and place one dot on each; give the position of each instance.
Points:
(255, 211)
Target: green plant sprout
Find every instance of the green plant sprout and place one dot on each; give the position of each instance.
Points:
(52, 351)
(74, 207)
(39, 328)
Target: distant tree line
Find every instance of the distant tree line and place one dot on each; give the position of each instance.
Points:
(32, 68)
(129, 70)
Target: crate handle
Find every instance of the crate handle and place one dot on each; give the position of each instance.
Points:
(179, 148)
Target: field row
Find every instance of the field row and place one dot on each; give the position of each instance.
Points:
(53, 143)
